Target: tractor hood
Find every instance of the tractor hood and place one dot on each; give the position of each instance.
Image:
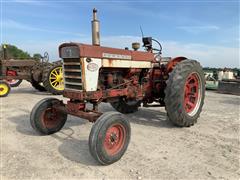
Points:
(78, 50)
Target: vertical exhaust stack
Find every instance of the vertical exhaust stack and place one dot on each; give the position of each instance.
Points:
(95, 29)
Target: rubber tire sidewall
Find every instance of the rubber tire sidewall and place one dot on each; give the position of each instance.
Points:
(174, 99)
(36, 115)
(97, 137)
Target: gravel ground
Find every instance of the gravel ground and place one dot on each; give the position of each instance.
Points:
(158, 150)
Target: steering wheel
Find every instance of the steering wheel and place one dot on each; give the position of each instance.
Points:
(45, 57)
(157, 51)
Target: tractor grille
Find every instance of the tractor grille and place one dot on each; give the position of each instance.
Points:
(72, 74)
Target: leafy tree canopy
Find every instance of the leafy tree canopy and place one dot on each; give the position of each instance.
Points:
(37, 56)
(14, 52)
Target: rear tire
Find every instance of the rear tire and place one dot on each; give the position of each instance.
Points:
(185, 92)
(125, 107)
(36, 85)
(45, 119)
(109, 138)
(53, 79)
(4, 89)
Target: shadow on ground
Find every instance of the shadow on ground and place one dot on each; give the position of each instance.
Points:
(28, 91)
(73, 149)
(24, 126)
(77, 150)
(156, 117)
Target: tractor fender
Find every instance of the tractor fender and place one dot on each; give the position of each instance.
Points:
(173, 62)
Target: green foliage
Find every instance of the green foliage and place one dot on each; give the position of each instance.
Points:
(37, 56)
(14, 52)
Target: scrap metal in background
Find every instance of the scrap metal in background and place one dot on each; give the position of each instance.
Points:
(225, 80)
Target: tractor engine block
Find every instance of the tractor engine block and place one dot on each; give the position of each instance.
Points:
(118, 78)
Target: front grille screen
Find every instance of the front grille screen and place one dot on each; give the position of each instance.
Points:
(72, 74)
(70, 52)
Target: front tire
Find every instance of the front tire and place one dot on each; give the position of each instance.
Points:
(185, 92)
(45, 119)
(109, 138)
(4, 89)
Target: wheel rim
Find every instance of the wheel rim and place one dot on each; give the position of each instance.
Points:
(3, 89)
(192, 94)
(49, 118)
(56, 79)
(114, 139)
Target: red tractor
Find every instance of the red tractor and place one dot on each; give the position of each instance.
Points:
(126, 79)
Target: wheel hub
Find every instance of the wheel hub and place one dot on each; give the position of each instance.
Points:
(50, 118)
(192, 93)
(115, 138)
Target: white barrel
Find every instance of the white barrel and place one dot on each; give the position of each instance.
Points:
(220, 75)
